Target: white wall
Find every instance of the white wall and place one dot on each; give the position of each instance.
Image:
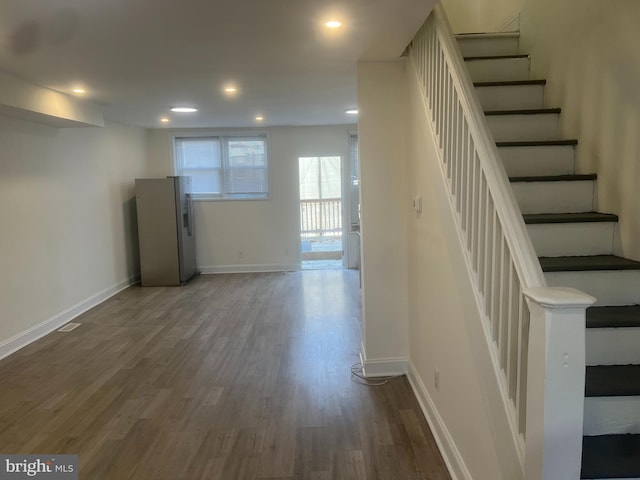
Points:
(68, 222)
(385, 205)
(445, 328)
(477, 16)
(262, 234)
(587, 51)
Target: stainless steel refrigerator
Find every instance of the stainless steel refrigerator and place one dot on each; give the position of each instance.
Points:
(166, 231)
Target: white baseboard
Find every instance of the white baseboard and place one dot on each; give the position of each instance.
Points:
(247, 268)
(382, 367)
(22, 339)
(450, 453)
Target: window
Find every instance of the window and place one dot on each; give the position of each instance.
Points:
(229, 167)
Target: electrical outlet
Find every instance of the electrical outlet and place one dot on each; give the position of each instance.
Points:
(436, 379)
(240, 255)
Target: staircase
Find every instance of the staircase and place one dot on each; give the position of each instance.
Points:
(575, 245)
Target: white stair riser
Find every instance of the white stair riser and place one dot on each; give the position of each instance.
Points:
(554, 197)
(629, 478)
(610, 287)
(524, 127)
(568, 239)
(611, 415)
(530, 161)
(613, 346)
(502, 69)
(511, 97)
(480, 47)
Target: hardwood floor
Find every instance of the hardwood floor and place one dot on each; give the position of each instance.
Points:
(231, 377)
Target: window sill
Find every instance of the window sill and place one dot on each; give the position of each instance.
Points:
(206, 198)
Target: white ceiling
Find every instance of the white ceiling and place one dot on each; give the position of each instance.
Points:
(139, 57)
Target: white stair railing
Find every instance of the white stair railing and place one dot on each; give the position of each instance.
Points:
(535, 334)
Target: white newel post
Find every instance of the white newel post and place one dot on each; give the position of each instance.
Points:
(555, 383)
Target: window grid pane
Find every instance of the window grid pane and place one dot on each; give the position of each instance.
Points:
(246, 171)
(246, 180)
(198, 153)
(205, 180)
(320, 178)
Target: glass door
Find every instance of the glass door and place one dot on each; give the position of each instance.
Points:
(321, 224)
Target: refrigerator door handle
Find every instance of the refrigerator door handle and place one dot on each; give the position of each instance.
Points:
(189, 216)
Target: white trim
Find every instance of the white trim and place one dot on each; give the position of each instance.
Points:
(448, 449)
(217, 132)
(382, 367)
(247, 268)
(478, 36)
(26, 337)
(203, 197)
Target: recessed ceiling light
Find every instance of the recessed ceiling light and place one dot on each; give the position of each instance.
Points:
(164, 119)
(259, 118)
(333, 24)
(184, 109)
(79, 90)
(230, 90)
(351, 111)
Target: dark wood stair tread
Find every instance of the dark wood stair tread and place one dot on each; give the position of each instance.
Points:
(512, 33)
(584, 217)
(611, 456)
(587, 263)
(539, 143)
(495, 57)
(613, 317)
(525, 111)
(612, 381)
(509, 83)
(554, 178)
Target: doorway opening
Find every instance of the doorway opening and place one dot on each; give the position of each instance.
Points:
(321, 225)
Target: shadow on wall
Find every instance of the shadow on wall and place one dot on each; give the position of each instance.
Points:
(467, 16)
(132, 248)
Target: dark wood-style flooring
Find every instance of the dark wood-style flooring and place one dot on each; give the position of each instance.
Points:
(230, 377)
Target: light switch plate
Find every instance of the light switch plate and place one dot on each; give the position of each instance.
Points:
(417, 203)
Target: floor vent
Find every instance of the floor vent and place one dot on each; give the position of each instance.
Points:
(69, 326)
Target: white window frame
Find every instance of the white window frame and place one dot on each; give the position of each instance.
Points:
(223, 137)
